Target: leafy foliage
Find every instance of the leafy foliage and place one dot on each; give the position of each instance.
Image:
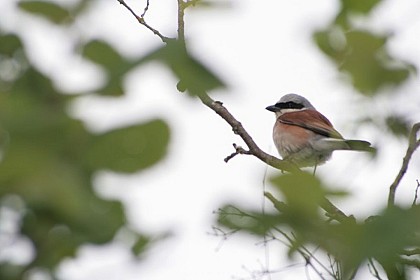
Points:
(134, 148)
(360, 54)
(112, 62)
(49, 10)
(193, 76)
(55, 12)
(49, 159)
(383, 237)
(398, 125)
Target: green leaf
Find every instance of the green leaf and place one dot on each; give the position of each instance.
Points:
(362, 56)
(112, 62)
(10, 271)
(45, 163)
(51, 11)
(81, 6)
(398, 125)
(382, 237)
(130, 149)
(349, 8)
(303, 194)
(9, 44)
(234, 218)
(192, 74)
(141, 244)
(102, 53)
(365, 6)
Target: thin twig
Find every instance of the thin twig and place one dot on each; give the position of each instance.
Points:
(238, 151)
(413, 144)
(145, 9)
(280, 206)
(181, 25)
(416, 193)
(334, 212)
(373, 270)
(141, 20)
(334, 266)
(331, 210)
(304, 252)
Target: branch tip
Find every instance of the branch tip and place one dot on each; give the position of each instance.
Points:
(142, 21)
(413, 144)
(238, 150)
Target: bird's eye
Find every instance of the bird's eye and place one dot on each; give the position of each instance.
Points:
(289, 105)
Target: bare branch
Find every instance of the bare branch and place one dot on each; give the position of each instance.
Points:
(331, 210)
(412, 146)
(181, 25)
(334, 213)
(141, 20)
(280, 206)
(373, 270)
(306, 254)
(237, 128)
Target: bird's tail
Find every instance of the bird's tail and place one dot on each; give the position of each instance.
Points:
(359, 145)
(344, 144)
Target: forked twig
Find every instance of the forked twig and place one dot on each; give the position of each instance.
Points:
(238, 151)
(413, 144)
(141, 20)
(145, 9)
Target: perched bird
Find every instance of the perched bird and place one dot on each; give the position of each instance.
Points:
(304, 136)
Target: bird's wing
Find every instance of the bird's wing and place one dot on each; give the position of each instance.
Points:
(311, 120)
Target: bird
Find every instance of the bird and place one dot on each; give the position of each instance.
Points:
(304, 136)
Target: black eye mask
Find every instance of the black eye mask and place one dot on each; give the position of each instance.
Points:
(288, 105)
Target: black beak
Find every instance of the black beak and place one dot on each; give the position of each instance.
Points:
(273, 108)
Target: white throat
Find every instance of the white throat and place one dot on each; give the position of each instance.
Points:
(288, 110)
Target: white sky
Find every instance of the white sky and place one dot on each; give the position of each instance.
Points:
(263, 49)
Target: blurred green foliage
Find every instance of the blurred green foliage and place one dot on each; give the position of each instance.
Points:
(54, 12)
(49, 10)
(359, 53)
(300, 218)
(112, 62)
(383, 237)
(398, 125)
(193, 76)
(48, 158)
